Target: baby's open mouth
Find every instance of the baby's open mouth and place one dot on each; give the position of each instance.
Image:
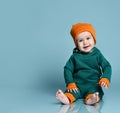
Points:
(86, 47)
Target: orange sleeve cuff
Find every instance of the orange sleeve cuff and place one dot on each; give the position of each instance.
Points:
(71, 97)
(71, 86)
(105, 80)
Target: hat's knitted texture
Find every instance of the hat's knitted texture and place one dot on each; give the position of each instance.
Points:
(82, 27)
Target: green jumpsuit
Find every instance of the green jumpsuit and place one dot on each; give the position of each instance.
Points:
(85, 70)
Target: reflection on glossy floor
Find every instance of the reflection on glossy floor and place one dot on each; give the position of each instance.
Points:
(80, 107)
(16, 100)
(109, 104)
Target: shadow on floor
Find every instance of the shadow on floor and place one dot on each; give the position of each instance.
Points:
(51, 82)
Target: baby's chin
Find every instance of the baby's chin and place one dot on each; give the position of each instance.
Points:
(86, 50)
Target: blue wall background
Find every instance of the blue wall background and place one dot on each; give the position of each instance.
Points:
(35, 42)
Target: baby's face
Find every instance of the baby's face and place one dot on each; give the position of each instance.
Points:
(85, 42)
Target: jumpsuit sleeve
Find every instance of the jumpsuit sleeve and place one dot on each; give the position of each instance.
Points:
(68, 71)
(105, 67)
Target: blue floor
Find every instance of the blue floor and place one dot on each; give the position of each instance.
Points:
(14, 100)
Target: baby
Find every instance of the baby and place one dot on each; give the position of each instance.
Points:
(87, 70)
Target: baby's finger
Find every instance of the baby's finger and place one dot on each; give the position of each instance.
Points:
(103, 84)
(70, 90)
(106, 86)
(75, 90)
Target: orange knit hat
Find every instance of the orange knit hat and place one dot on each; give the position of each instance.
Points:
(82, 27)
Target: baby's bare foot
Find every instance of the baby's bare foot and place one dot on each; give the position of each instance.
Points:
(62, 97)
(93, 99)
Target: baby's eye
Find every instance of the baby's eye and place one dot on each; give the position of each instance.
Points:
(80, 40)
(88, 38)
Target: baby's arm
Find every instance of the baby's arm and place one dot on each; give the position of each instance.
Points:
(68, 75)
(106, 71)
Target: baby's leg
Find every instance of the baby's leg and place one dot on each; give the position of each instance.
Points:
(92, 98)
(62, 97)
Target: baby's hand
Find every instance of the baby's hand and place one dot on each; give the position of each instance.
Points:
(72, 87)
(104, 82)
